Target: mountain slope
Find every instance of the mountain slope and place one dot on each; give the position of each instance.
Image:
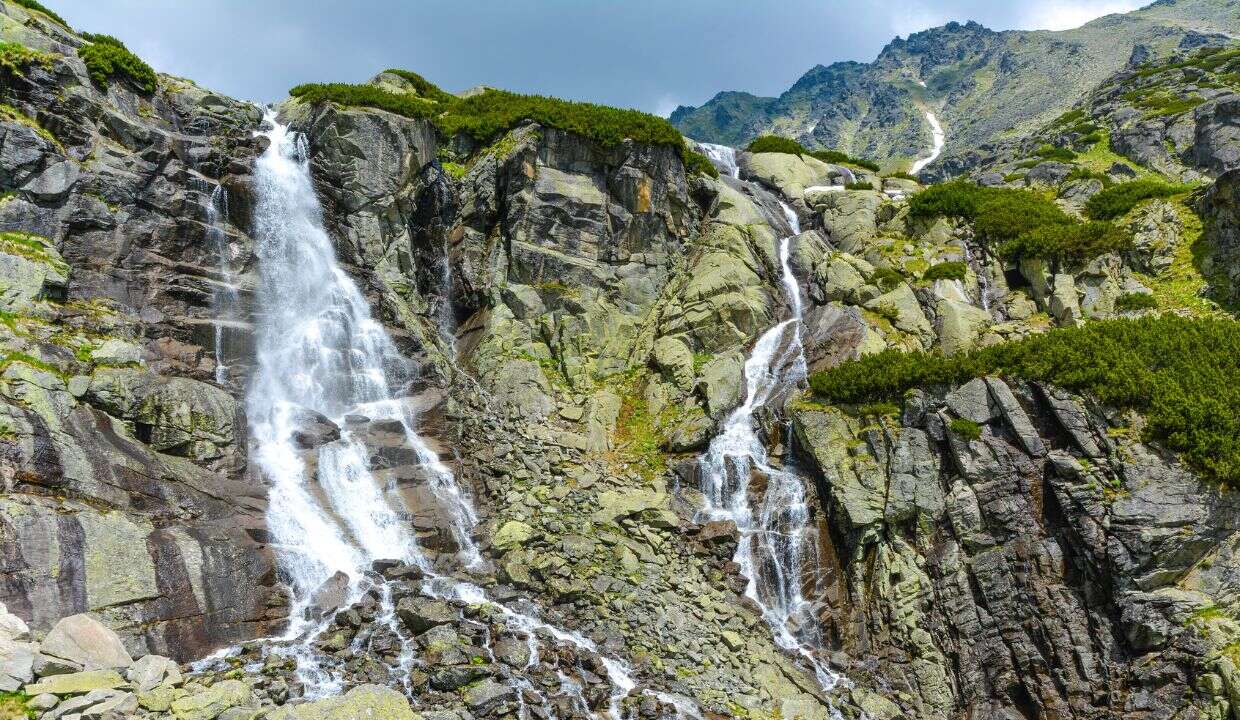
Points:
(983, 85)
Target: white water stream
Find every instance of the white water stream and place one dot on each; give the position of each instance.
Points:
(775, 541)
(939, 140)
(724, 158)
(322, 355)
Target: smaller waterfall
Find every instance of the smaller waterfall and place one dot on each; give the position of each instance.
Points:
(723, 157)
(775, 540)
(940, 139)
(225, 299)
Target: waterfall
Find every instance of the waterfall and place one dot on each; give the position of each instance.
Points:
(939, 139)
(225, 296)
(322, 357)
(775, 539)
(723, 157)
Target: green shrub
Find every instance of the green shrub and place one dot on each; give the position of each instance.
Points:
(837, 157)
(698, 164)
(1005, 214)
(950, 270)
(107, 59)
(965, 428)
(1132, 302)
(425, 88)
(489, 114)
(1069, 117)
(16, 705)
(1070, 242)
(859, 186)
(901, 175)
(887, 311)
(1050, 152)
(886, 278)
(951, 199)
(34, 5)
(776, 144)
(1080, 172)
(1117, 200)
(367, 96)
(1180, 373)
(15, 57)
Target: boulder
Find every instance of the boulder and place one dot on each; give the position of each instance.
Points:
(369, 702)
(11, 626)
(420, 614)
(151, 671)
(77, 683)
(212, 702)
(511, 534)
(488, 697)
(86, 643)
(16, 664)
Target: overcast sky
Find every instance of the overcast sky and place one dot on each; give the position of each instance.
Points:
(649, 54)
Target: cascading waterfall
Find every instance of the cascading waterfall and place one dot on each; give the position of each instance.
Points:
(724, 157)
(775, 540)
(225, 297)
(321, 355)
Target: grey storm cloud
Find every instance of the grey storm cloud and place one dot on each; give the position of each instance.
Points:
(649, 54)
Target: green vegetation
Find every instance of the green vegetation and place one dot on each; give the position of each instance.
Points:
(965, 428)
(12, 114)
(698, 164)
(951, 270)
(887, 311)
(1132, 302)
(38, 7)
(1019, 222)
(32, 247)
(1069, 243)
(1117, 200)
(489, 114)
(15, 58)
(886, 278)
(424, 88)
(901, 175)
(1050, 152)
(1180, 373)
(776, 144)
(787, 146)
(1068, 118)
(108, 59)
(859, 186)
(15, 706)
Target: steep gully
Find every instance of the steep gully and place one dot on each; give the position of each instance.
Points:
(939, 139)
(322, 357)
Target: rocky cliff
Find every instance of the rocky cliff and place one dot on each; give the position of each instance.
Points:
(576, 313)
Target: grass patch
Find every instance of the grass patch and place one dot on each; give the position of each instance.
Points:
(15, 58)
(1117, 200)
(902, 176)
(108, 59)
(859, 186)
(15, 706)
(1050, 152)
(965, 428)
(32, 247)
(886, 278)
(1179, 372)
(951, 270)
(12, 114)
(698, 164)
(1133, 302)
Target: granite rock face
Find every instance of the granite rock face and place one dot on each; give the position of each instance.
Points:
(1050, 567)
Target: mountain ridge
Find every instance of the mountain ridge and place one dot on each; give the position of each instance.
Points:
(983, 84)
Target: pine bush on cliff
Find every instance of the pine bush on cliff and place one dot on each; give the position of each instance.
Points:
(489, 114)
(1019, 223)
(425, 88)
(1117, 200)
(788, 146)
(1181, 374)
(108, 59)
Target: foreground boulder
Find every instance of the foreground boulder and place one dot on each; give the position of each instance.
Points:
(85, 642)
(373, 702)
